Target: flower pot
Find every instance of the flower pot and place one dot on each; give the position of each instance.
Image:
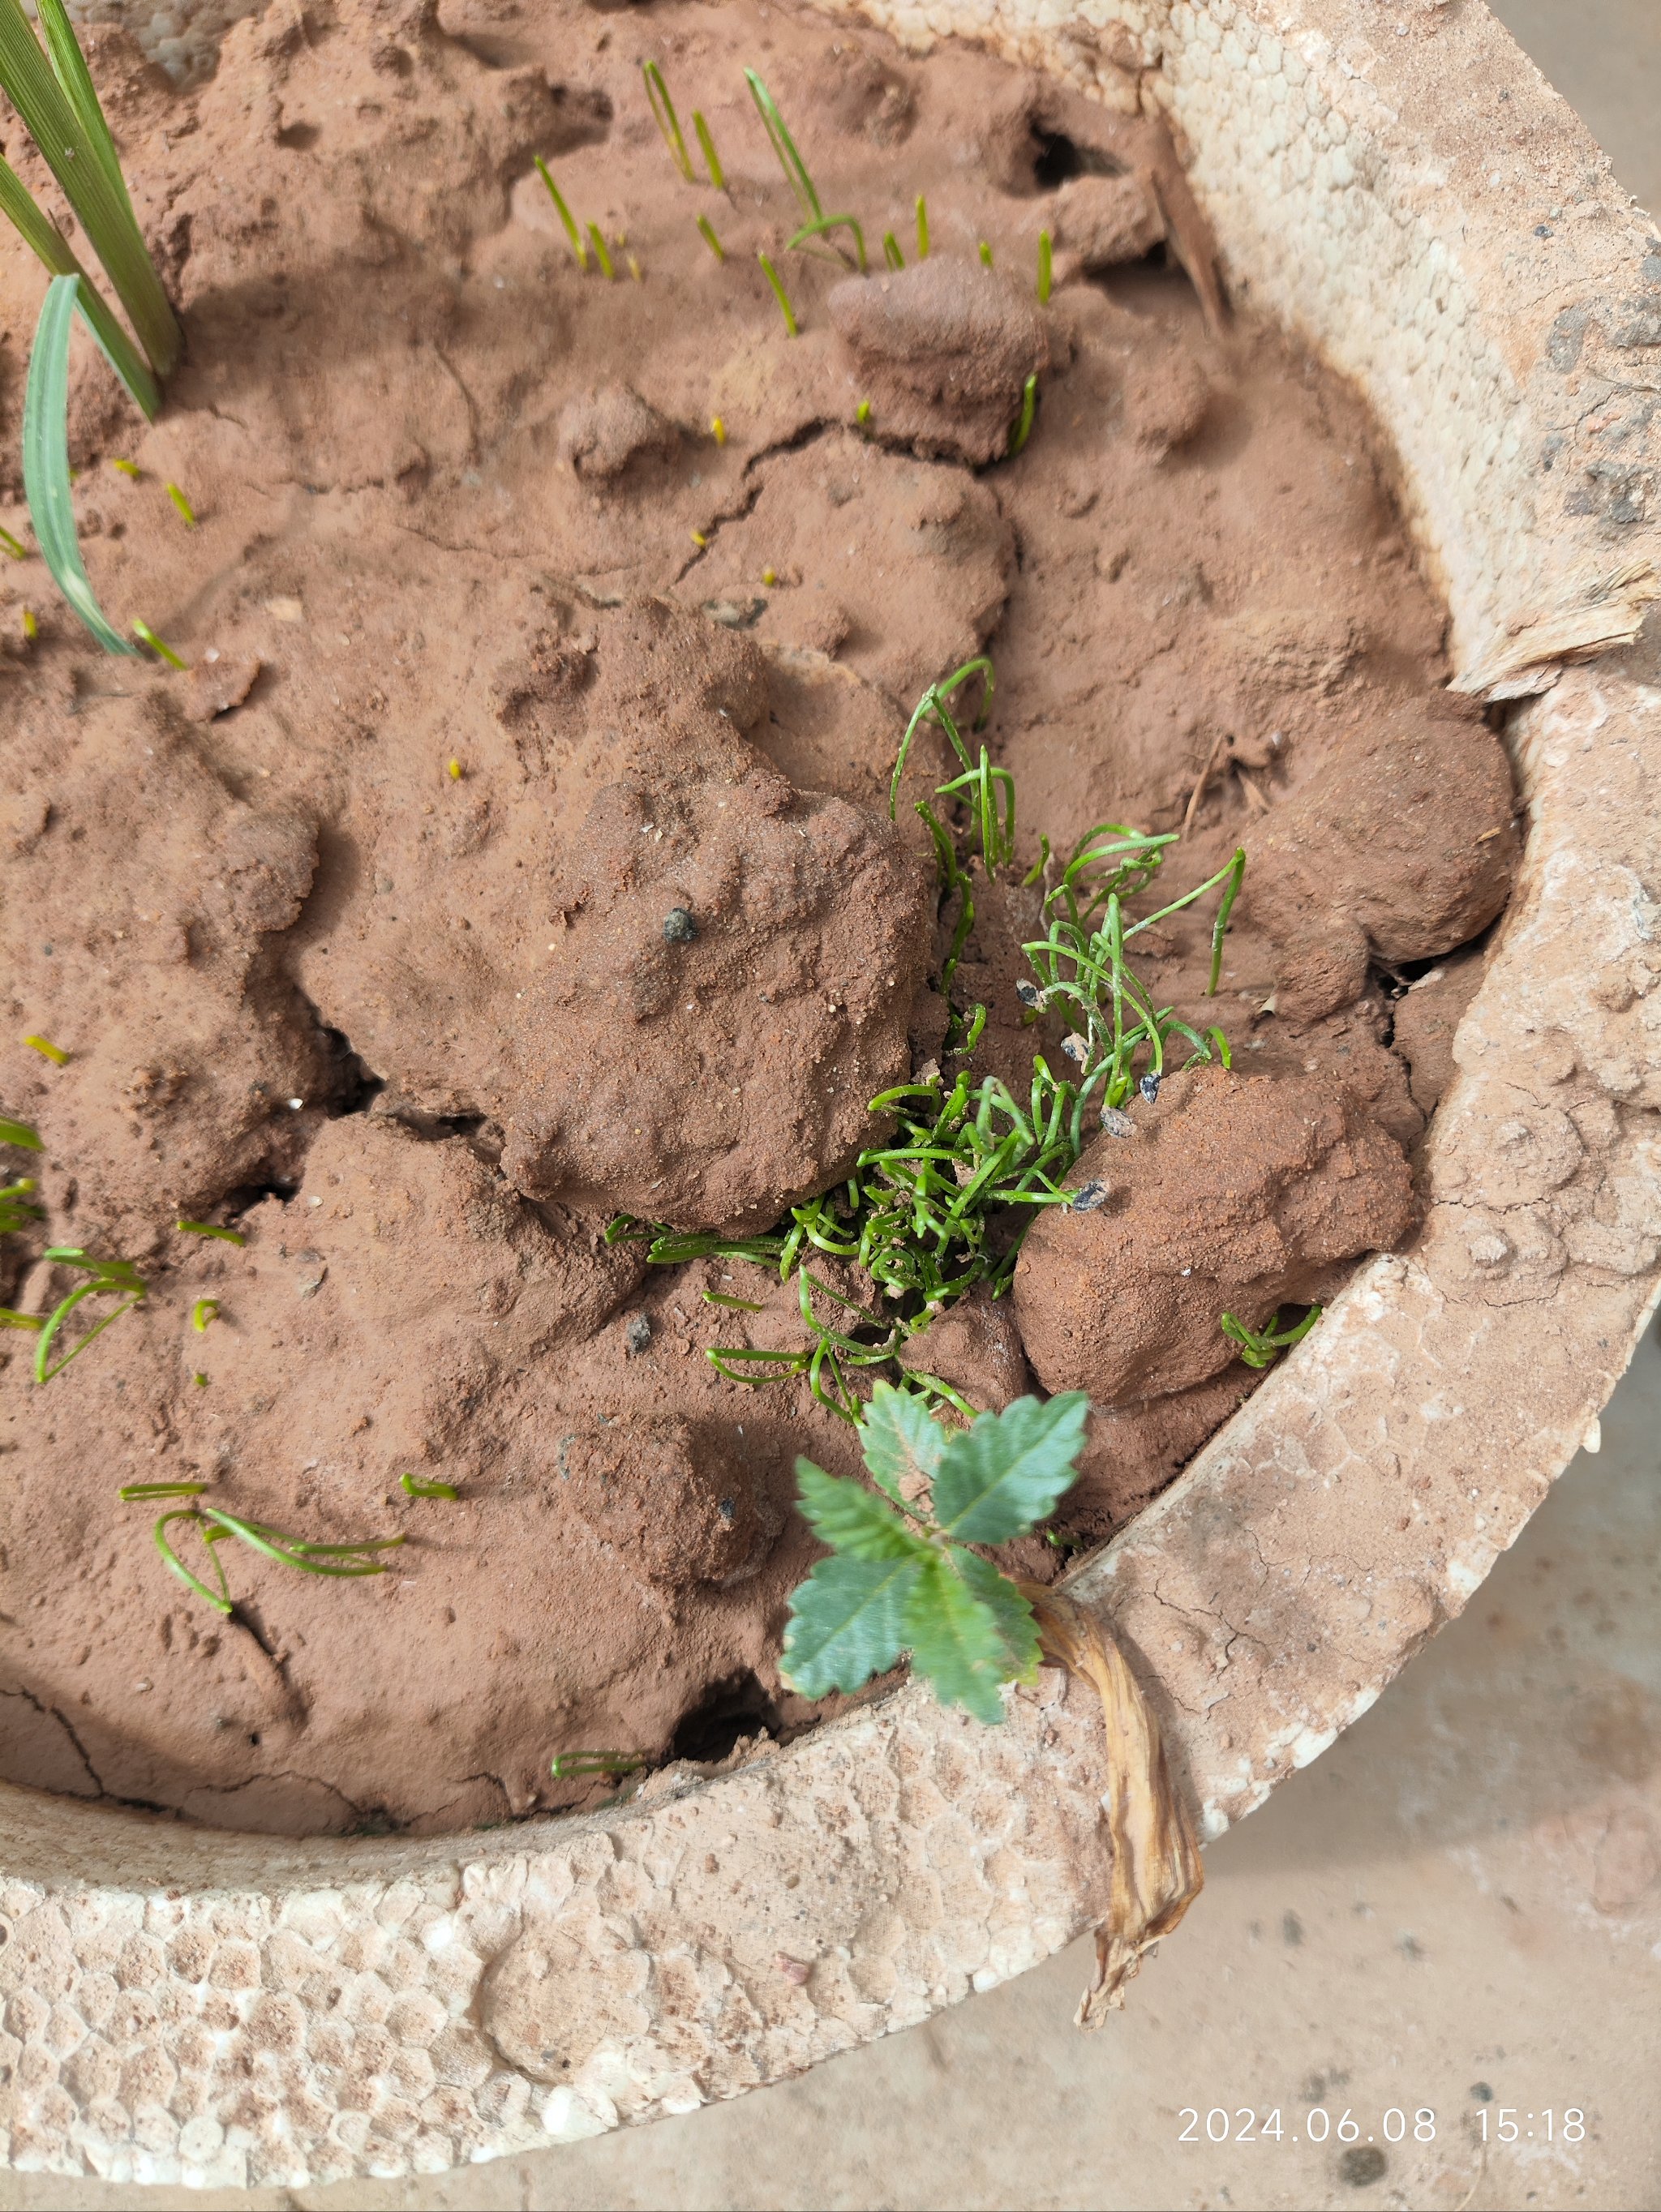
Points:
(184, 2007)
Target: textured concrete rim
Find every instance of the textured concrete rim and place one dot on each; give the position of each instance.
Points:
(189, 2008)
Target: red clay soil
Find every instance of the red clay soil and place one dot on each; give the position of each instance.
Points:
(517, 851)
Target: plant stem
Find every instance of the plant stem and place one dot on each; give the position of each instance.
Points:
(780, 295)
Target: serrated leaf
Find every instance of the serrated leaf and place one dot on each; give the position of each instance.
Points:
(957, 1641)
(47, 461)
(847, 1623)
(901, 1438)
(1013, 1615)
(844, 1515)
(1007, 1472)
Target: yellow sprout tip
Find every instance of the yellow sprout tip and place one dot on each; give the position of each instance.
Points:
(127, 469)
(31, 628)
(698, 538)
(47, 1049)
(718, 429)
(455, 771)
(770, 577)
(187, 512)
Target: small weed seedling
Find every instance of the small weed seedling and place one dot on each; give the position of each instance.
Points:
(986, 255)
(791, 325)
(20, 1133)
(204, 1312)
(707, 232)
(795, 168)
(564, 214)
(1259, 1348)
(116, 1279)
(706, 147)
(663, 112)
(601, 257)
(158, 646)
(923, 227)
(186, 511)
(1023, 428)
(890, 251)
(210, 1228)
(900, 1577)
(341, 1562)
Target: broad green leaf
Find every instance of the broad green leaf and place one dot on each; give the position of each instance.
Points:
(957, 1641)
(47, 460)
(102, 207)
(844, 1515)
(901, 1437)
(1007, 1472)
(847, 1623)
(69, 66)
(1009, 1608)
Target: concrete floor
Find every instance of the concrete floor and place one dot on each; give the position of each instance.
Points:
(1457, 1911)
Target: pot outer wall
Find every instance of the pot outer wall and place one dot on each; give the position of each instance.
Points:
(187, 2008)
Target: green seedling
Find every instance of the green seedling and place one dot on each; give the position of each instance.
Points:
(116, 1279)
(20, 1134)
(48, 1050)
(210, 1228)
(187, 512)
(791, 325)
(162, 650)
(718, 429)
(1045, 268)
(821, 226)
(128, 469)
(46, 479)
(923, 227)
(795, 168)
(31, 628)
(1259, 1347)
(1022, 429)
(564, 214)
(601, 256)
(202, 1313)
(10, 1318)
(17, 1207)
(710, 1298)
(341, 1562)
(862, 413)
(569, 1765)
(663, 109)
(706, 147)
(943, 1203)
(901, 1578)
(13, 546)
(986, 255)
(413, 1486)
(707, 232)
(890, 251)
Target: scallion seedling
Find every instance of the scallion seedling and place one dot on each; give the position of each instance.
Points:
(340, 1562)
(663, 109)
(1023, 428)
(210, 1228)
(563, 213)
(48, 1050)
(20, 1133)
(923, 227)
(795, 168)
(862, 413)
(986, 255)
(117, 1278)
(128, 469)
(890, 251)
(821, 226)
(712, 160)
(600, 255)
(204, 1311)
(1260, 1346)
(706, 231)
(788, 312)
(413, 1486)
(1045, 267)
(12, 545)
(146, 635)
(187, 512)
(569, 1765)
(10, 1318)
(17, 1205)
(31, 628)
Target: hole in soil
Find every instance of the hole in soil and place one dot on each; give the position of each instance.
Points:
(727, 1713)
(356, 1085)
(1057, 159)
(298, 136)
(244, 1196)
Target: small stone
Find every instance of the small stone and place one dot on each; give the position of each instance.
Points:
(1116, 1123)
(1361, 2165)
(679, 927)
(1027, 993)
(637, 1334)
(1088, 1196)
(1149, 1087)
(214, 686)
